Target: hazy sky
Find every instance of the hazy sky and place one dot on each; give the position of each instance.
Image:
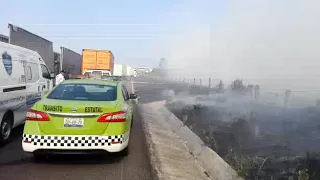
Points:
(133, 30)
(274, 43)
(270, 42)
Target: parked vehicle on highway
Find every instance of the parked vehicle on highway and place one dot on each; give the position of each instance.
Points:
(113, 78)
(80, 115)
(24, 79)
(77, 76)
(24, 38)
(93, 59)
(70, 61)
(90, 72)
(124, 70)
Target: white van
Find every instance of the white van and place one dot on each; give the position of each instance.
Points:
(24, 79)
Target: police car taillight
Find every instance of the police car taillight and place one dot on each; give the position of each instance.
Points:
(33, 115)
(113, 117)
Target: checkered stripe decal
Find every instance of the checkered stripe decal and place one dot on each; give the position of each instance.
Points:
(74, 141)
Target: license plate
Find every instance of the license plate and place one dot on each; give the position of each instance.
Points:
(73, 122)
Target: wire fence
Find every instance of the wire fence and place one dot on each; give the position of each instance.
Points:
(277, 97)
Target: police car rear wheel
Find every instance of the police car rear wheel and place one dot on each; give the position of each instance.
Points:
(39, 157)
(125, 152)
(5, 129)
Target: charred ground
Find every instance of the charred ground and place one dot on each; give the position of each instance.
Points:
(260, 141)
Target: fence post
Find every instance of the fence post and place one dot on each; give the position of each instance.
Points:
(251, 92)
(286, 98)
(256, 92)
(209, 83)
(200, 82)
(194, 81)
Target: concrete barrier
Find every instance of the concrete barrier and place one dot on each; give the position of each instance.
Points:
(169, 156)
(176, 151)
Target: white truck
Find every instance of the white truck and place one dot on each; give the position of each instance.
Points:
(120, 70)
(130, 71)
(124, 70)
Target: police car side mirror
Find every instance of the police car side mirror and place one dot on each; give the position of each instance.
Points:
(133, 96)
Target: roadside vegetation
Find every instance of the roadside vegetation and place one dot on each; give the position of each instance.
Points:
(259, 141)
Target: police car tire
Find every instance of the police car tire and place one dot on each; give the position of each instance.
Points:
(125, 151)
(39, 157)
(6, 119)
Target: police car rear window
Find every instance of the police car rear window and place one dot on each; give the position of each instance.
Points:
(84, 92)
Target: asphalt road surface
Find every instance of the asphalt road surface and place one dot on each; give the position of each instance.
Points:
(149, 90)
(18, 165)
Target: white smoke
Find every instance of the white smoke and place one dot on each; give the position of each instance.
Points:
(269, 42)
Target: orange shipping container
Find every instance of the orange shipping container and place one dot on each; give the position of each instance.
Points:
(97, 59)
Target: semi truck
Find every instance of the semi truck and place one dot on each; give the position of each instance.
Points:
(123, 70)
(120, 70)
(97, 62)
(130, 71)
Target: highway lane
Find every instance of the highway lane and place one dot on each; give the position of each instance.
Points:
(149, 93)
(149, 90)
(18, 165)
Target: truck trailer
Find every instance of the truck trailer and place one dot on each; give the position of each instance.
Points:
(130, 71)
(124, 70)
(120, 70)
(97, 62)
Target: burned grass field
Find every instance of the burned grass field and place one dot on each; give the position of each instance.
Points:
(258, 141)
